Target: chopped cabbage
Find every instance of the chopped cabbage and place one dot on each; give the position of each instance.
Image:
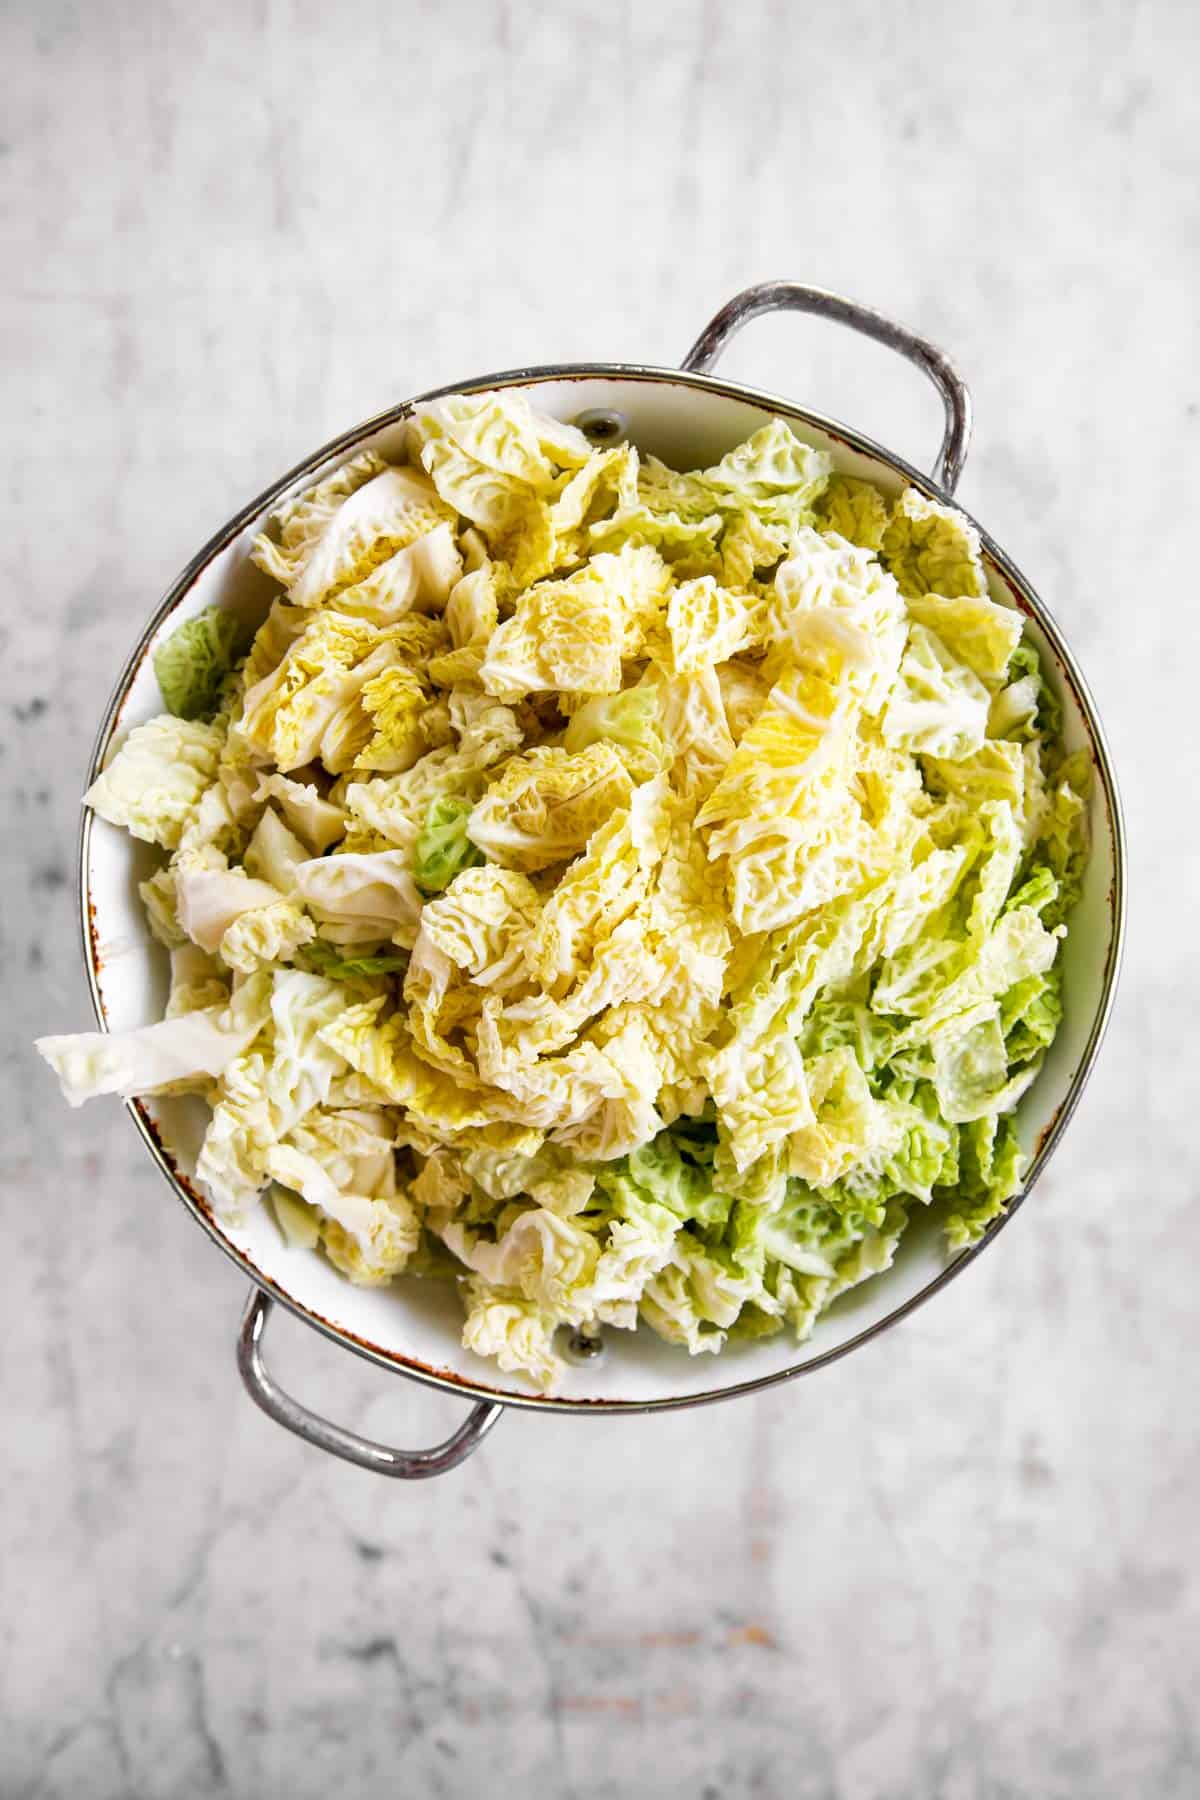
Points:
(938, 704)
(197, 981)
(480, 921)
(632, 890)
(299, 523)
(546, 804)
(417, 578)
(274, 853)
(853, 510)
(268, 1089)
(707, 624)
(628, 721)
(153, 1057)
(194, 661)
(154, 784)
(380, 519)
(209, 901)
(977, 631)
(773, 476)
(931, 549)
(443, 848)
(570, 635)
(321, 958)
(157, 895)
(267, 935)
(312, 817)
(321, 701)
(363, 897)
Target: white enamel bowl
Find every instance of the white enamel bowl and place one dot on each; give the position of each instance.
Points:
(687, 418)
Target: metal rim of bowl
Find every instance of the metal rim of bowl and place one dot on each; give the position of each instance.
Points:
(447, 1380)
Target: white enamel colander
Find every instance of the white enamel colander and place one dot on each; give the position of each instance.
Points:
(688, 417)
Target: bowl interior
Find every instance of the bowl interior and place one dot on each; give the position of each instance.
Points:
(688, 422)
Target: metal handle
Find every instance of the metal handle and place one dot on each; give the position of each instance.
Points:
(406, 1465)
(793, 296)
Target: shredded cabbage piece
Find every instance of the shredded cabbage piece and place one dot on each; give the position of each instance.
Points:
(194, 661)
(154, 784)
(634, 891)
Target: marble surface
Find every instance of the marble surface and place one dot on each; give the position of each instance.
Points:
(960, 1565)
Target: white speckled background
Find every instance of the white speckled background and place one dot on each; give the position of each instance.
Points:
(959, 1566)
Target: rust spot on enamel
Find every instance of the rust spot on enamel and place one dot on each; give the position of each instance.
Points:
(94, 936)
(1048, 1130)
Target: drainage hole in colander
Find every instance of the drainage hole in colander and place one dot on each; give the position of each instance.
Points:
(583, 1347)
(602, 426)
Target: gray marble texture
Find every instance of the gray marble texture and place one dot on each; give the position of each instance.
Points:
(959, 1566)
